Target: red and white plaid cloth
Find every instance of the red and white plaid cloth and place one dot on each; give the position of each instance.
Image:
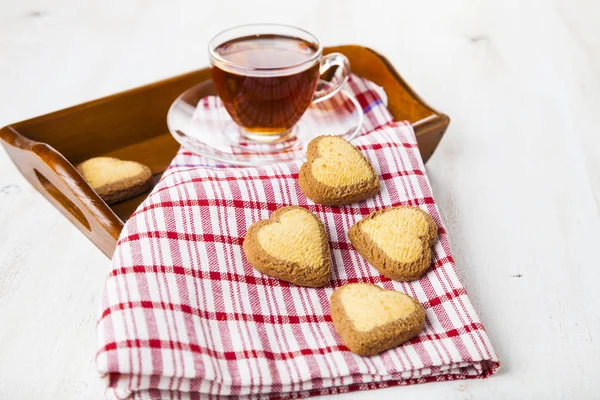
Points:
(183, 314)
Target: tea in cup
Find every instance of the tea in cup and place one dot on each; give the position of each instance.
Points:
(267, 76)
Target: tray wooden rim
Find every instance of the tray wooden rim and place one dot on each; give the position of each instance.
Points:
(56, 178)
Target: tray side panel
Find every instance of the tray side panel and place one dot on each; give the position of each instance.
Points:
(110, 123)
(402, 101)
(56, 179)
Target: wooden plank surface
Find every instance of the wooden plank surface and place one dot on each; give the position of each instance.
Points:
(517, 176)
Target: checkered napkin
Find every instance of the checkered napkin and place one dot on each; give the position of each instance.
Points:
(183, 314)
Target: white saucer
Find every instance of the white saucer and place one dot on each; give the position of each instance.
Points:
(198, 121)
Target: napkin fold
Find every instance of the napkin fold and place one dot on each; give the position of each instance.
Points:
(183, 315)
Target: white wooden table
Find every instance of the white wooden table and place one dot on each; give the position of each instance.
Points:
(517, 176)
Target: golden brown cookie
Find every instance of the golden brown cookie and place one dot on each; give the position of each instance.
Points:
(116, 180)
(371, 320)
(336, 173)
(396, 241)
(292, 246)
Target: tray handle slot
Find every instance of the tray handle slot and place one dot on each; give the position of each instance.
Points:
(63, 200)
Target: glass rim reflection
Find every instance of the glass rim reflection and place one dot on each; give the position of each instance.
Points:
(264, 29)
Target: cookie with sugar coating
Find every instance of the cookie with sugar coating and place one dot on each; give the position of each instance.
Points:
(336, 173)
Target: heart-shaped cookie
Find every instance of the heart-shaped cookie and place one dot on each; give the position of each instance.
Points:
(336, 173)
(116, 180)
(292, 245)
(397, 241)
(370, 319)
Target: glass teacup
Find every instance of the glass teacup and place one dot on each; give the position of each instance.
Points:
(267, 76)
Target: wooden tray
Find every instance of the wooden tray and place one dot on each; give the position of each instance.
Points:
(46, 148)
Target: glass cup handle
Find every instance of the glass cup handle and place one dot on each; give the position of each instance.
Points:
(326, 89)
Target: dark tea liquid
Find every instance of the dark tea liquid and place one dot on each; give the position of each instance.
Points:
(266, 102)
